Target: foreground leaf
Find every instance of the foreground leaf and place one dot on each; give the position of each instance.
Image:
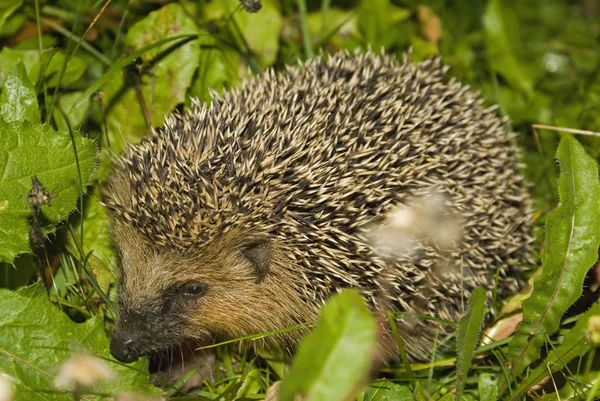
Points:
(35, 338)
(334, 361)
(469, 329)
(28, 149)
(571, 249)
(575, 344)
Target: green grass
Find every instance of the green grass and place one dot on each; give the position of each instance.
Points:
(89, 69)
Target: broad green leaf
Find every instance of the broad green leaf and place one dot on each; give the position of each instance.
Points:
(50, 65)
(125, 61)
(488, 387)
(333, 362)
(10, 57)
(575, 343)
(571, 249)
(388, 391)
(259, 31)
(13, 24)
(67, 115)
(501, 41)
(7, 7)
(469, 329)
(376, 21)
(35, 338)
(329, 27)
(163, 86)
(28, 149)
(19, 100)
(422, 49)
(217, 70)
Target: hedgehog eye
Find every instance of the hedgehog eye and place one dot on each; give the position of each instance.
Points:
(193, 290)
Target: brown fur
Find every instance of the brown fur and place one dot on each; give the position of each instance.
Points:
(233, 305)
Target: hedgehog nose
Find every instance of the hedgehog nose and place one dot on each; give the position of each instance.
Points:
(122, 349)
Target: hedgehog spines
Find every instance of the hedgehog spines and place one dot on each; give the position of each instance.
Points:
(315, 155)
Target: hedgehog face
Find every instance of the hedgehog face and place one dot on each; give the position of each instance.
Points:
(219, 292)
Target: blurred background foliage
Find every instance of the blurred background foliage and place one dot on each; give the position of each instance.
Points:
(113, 69)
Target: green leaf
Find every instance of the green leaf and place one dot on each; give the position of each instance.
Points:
(388, 391)
(10, 57)
(336, 27)
(19, 100)
(52, 62)
(488, 387)
(469, 329)
(217, 70)
(262, 31)
(164, 85)
(35, 338)
(501, 40)
(334, 361)
(66, 115)
(48, 66)
(377, 20)
(28, 149)
(575, 343)
(7, 7)
(259, 31)
(123, 62)
(571, 249)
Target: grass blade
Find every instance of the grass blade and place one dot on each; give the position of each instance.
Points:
(469, 329)
(305, 31)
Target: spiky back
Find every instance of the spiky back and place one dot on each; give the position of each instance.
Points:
(315, 154)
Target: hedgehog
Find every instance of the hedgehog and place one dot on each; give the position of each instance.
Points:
(245, 215)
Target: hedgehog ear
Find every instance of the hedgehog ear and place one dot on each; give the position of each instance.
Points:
(258, 252)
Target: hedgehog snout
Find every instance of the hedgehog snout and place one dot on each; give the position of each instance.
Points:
(122, 348)
(130, 337)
